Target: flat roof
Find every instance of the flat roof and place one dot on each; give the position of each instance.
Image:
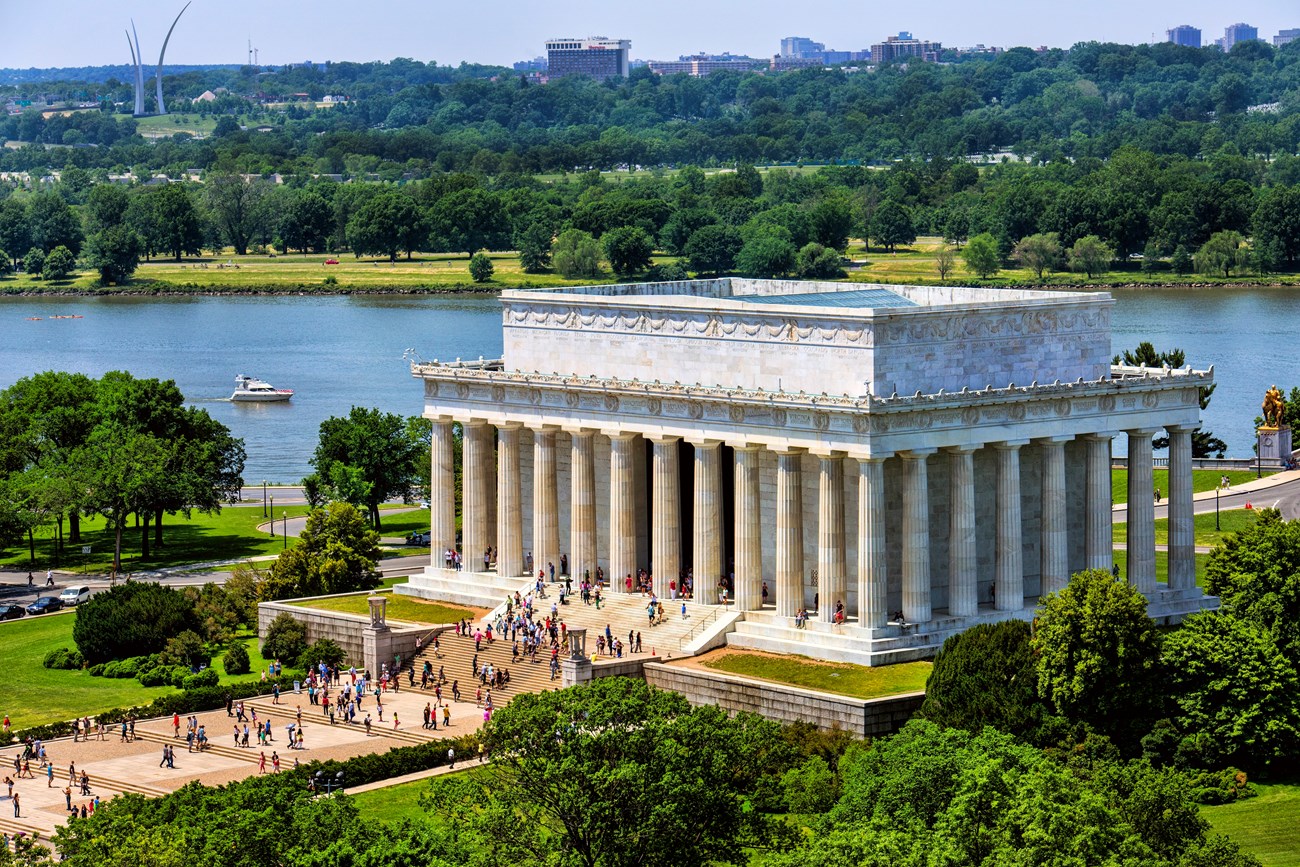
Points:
(876, 298)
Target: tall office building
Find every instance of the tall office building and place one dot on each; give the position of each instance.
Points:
(905, 47)
(801, 46)
(595, 56)
(1285, 36)
(1185, 34)
(1234, 33)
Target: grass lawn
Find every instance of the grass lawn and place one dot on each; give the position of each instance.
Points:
(1162, 566)
(1230, 521)
(402, 801)
(229, 535)
(38, 695)
(1266, 826)
(399, 608)
(859, 681)
(169, 124)
(405, 522)
(1202, 480)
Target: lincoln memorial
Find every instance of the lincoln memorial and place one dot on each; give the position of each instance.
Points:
(899, 461)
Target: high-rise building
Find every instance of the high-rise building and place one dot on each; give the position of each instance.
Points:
(1285, 36)
(801, 46)
(1185, 34)
(596, 56)
(699, 65)
(1234, 33)
(904, 47)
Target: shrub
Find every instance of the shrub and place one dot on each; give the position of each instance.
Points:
(811, 788)
(126, 667)
(206, 677)
(669, 272)
(286, 638)
(34, 261)
(321, 650)
(481, 267)
(158, 675)
(331, 280)
(97, 670)
(63, 658)
(59, 264)
(185, 649)
(132, 619)
(235, 660)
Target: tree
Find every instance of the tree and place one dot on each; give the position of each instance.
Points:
(180, 231)
(1181, 262)
(34, 261)
(235, 659)
(385, 225)
(1277, 222)
(1099, 655)
(1224, 252)
(106, 207)
(122, 472)
(1256, 572)
(815, 262)
(629, 249)
(981, 256)
(235, 203)
(322, 650)
(576, 254)
(712, 249)
(53, 223)
(1238, 696)
(481, 267)
(1039, 253)
(470, 219)
(115, 253)
(1204, 443)
(59, 264)
(131, 619)
(534, 245)
(336, 553)
(891, 225)
(595, 772)
(307, 223)
(766, 254)
(944, 260)
(375, 443)
(1091, 255)
(15, 232)
(286, 638)
(831, 221)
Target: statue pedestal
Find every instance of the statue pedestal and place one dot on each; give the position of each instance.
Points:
(1274, 444)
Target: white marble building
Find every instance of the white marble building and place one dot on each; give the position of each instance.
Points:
(939, 453)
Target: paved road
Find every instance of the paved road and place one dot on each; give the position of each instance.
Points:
(1283, 494)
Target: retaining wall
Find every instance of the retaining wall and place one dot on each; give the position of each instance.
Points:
(348, 631)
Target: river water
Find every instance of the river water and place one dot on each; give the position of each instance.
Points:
(341, 351)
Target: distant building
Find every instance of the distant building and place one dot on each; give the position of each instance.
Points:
(596, 56)
(801, 46)
(780, 62)
(1186, 35)
(1286, 36)
(537, 64)
(699, 65)
(905, 47)
(1234, 33)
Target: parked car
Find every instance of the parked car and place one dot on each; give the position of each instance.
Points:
(45, 605)
(11, 612)
(74, 595)
(418, 539)
(331, 261)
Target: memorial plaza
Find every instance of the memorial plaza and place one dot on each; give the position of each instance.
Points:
(856, 471)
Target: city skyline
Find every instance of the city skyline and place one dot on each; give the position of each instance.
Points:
(331, 30)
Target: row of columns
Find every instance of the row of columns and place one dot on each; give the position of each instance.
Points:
(504, 529)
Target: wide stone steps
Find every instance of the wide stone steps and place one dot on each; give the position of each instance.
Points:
(216, 745)
(282, 715)
(13, 827)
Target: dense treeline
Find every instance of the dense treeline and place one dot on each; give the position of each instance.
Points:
(407, 116)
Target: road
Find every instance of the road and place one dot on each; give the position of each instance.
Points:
(1282, 493)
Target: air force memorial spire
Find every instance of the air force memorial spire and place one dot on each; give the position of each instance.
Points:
(137, 63)
(899, 462)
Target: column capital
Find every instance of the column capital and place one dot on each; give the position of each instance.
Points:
(877, 457)
(662, 439)
(1060, 439)
(1009, 445)
(788, 451)
(1181, 428)
(474, 422)
(1097, 436)
(620, 434)
(962, 450)
(544, 428)
(916, 454)
(442, 419)
(826, 453)
(704, 442)
(1140, 432)
(510, 426)
(742, 446)
(579, 431)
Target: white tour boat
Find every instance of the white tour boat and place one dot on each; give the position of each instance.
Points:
(249, 389)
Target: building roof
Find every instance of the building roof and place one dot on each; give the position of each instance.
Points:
(873, 298)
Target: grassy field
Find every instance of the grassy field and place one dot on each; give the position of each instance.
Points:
(402, 801)
(36, 695)
(231, 534)
(399, 608)
(1267, 826)
(168, 125)
(1202, 480)
(858, 681)
(1162, 566)
(1230, 521)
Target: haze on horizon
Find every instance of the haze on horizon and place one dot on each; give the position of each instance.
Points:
(69, 33)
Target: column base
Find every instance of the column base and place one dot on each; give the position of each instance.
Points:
(477, 589)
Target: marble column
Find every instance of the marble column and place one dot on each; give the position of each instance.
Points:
(442, 492)
(1182, 530)
(1009, 561)
(749, 529)
(477, 446)
(873, 565)
(832, 582)
(510, 507)
(546, 503)
(789, 532)
(1099, 525)
(582, 523)
(622, 511)
(916, 536)
(666, 522)
(1054, 561)
(1141, 551)
(707, 567)
(963, 558)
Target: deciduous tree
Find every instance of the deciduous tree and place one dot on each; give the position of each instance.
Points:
(336, 553)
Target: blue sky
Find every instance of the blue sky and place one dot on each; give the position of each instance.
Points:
(47, 33)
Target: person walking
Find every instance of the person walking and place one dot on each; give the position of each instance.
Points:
(451, 763)
(261, 765)
(17, 809)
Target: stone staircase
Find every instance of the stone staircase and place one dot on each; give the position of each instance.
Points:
(475, 589)
(217, 745)
(282, 714)
(14, 827)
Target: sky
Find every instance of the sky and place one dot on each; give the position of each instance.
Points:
(58, 33)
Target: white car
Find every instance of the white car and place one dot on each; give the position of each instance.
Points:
(74, 595)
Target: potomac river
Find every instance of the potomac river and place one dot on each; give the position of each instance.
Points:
(339, 351)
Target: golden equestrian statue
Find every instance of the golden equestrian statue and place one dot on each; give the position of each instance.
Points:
(1274, 407)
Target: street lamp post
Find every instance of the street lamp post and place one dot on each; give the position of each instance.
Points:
(1216, 507)
(263, 498)
(273, 516)
(285, 535)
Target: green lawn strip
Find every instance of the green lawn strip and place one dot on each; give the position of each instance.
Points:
(1266, 826)
(230, 534)
(41, 695)
(1230, 521)
(404, 523)
(402, 800)
(1202, 480)
(859, 681)
(1162, 566)
(399, 608)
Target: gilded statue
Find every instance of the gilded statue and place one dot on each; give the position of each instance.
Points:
(1274, 407)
